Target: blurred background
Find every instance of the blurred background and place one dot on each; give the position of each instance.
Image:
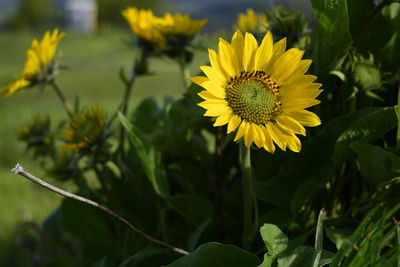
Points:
(95, 48)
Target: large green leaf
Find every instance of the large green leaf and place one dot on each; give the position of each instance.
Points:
(333, 29)
(366, 129)
(303, 256)
(214, 254)
(149, 157)
(376, 165)
(276, 242)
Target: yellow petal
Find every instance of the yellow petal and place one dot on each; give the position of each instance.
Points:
(268, 144)
(293, 143)
(306, 118)
(248, 135)
(223, 119)
(215, 107)
(298, 104)
(233, 123)
(290, 124)
(277, 135)
(214, 75)
(206, 95)
(286, 65)
(209, 85)
(227, 58)
(264, 53)
(277, 50)
(214, 63)
(259, 136)
(238, 46)
(250, 46)
(242, 130)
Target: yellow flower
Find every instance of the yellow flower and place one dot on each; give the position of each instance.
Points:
(252, 22)
(180, 25)
(142, 23)
(39, 65)
(260, 91)
(84, 130)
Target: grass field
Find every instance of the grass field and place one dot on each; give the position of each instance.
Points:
(93, 63)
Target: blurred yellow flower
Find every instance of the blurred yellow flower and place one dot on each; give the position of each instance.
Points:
(260, 91)
(179, 25)
(142, 23)
(84, 129)
(39, 66)
(252, 22)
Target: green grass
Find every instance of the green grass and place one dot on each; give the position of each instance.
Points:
(93, 63)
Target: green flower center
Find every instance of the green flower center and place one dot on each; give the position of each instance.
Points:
(253, 96)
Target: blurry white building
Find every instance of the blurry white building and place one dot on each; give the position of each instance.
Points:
(81, 15)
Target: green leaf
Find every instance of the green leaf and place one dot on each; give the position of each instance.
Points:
(333, 30)
(376, 165)
(276, 242)
(397, 110)
(149, 157)
(214, 254)
(303, 256)
(366, 129)
(319, 235)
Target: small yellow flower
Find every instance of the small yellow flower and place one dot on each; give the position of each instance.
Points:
(39, 66)
(179, 25)
(252, 22)
(142, 23)
(260, 91)
(84, 129)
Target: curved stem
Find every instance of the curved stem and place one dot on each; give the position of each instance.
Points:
(18, 169)
(62, 97)
(249, 200)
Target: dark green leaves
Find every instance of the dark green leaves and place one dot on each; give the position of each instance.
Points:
(217, 255)
(149, 157)
(366, 129)
(333, 30)
(276, 242)
(376, 165)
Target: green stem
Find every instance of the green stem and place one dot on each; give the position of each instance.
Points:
(125, 107)
(218, 184)
(248, 197)
(62, 97)
(185, 73)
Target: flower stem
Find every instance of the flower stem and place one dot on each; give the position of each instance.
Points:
(185, 73)
(125, 106)
(62, 97)
(217, 181)
(248, 197)
(20, 171)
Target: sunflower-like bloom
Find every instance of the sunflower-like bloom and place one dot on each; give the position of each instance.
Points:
(179, 25)
(84, 129)
(260, 91)
(143, 24)
(39, 66)
(252, 22)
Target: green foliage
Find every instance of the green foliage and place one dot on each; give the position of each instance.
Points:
(32, 14)
(163, 167)
(217, 255)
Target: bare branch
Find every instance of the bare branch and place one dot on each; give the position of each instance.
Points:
(18, 169)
